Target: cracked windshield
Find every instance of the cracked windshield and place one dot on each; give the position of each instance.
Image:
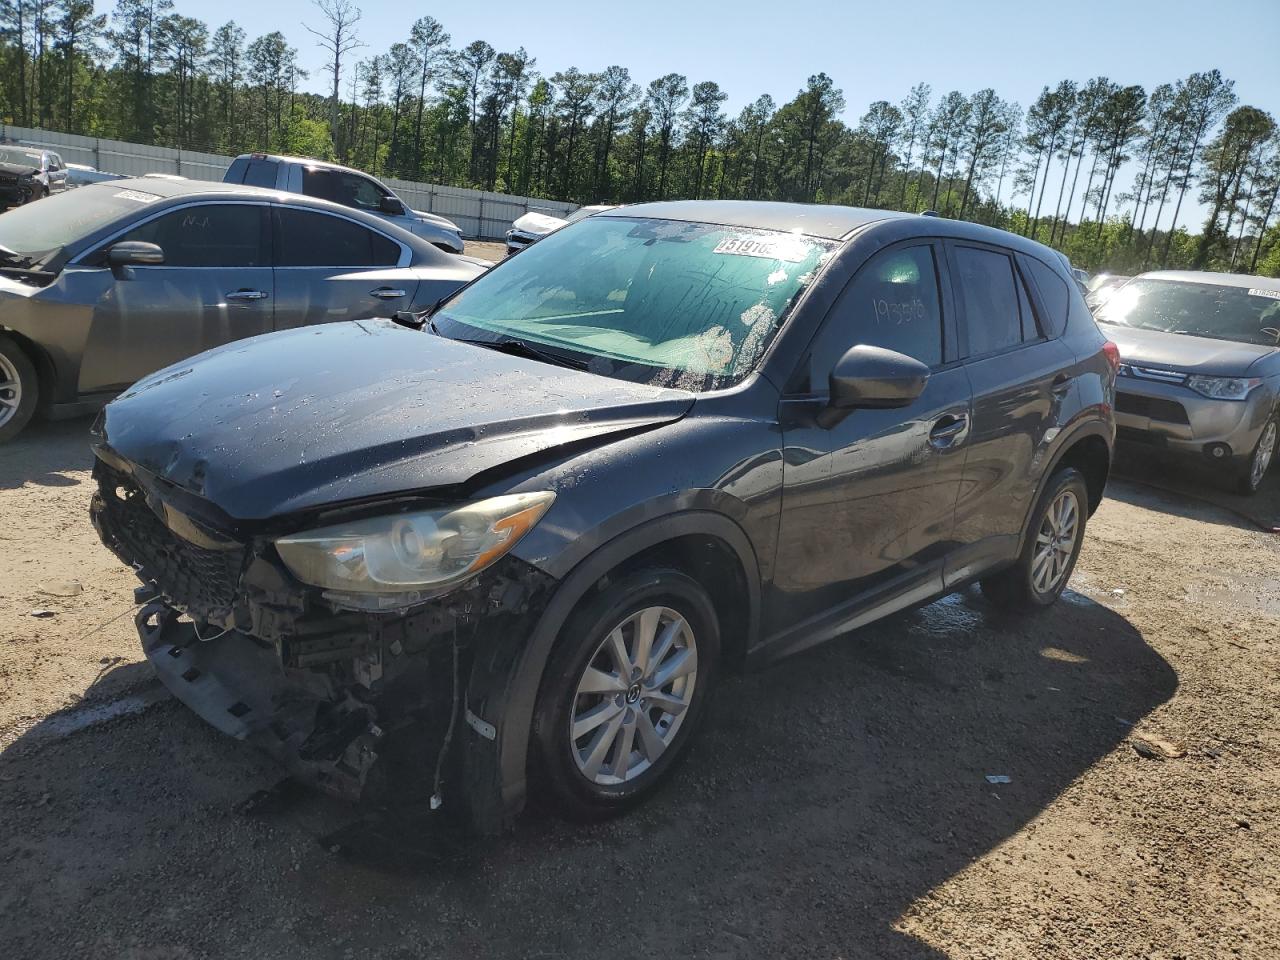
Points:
(682, 304)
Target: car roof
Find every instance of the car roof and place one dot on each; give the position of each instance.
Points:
(827, 221)
(813, 219)
(1221, 279)
(304, 161)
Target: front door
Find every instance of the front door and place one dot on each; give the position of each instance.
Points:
(330, 268)
(868, 504)
(216, 285)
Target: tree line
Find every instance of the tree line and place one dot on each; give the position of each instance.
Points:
(1098, 169)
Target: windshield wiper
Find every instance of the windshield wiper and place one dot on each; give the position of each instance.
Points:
(522, 348)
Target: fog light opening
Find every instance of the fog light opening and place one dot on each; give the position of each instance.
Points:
(1217, 451)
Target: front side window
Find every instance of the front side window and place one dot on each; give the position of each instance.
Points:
(892, 302)
(307, 239)
(692, 305)
(988, 288)
(1242, 314)
(208, 235)
(358, 192)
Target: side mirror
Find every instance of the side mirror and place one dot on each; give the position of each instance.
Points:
(133, 253)
(872, 378)
(391, 205)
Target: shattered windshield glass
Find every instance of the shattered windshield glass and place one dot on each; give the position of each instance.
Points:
(682, 304)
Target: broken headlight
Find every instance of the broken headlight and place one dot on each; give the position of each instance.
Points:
(393, 561)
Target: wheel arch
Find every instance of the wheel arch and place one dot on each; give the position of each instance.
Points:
(697, 542)
(46, 373)
(1088, 448)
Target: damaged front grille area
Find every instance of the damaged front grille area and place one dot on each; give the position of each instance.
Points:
(202, 581)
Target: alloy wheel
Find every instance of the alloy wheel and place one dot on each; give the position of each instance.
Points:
(633, 696)
(1262, 456)
(1055, 542)
(10, 390)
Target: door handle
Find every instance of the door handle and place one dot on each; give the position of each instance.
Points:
(947, 430)
(387, 293)
(242, 295)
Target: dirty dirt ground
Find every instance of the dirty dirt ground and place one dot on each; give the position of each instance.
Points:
(836, 806)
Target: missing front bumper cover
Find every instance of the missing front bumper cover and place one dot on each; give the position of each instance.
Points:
(240, 686)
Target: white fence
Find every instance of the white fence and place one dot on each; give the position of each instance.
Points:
(480, 214)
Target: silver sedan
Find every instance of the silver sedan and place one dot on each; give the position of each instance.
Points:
(1200, 367)
(103, 285)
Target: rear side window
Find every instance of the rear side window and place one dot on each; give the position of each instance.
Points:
(892, 302)
(1053, 293)
(306, 239)
(988, 287)
(209, 235)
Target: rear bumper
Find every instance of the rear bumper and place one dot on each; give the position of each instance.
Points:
(1183, 421)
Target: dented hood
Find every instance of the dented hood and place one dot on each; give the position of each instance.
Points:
(347, 411)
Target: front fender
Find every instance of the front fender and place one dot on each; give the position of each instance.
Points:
(503, 688)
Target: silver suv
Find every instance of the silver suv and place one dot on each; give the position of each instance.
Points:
(1200, 367)
(346, 186)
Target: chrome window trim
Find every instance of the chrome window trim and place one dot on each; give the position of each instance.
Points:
(406, 255)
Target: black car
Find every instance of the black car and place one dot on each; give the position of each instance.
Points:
(519, 544)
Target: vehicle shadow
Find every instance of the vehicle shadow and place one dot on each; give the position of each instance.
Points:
(45, 452)
(827, 797)
(1182, 486)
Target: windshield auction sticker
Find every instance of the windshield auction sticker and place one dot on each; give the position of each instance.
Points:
(137, 195)
(766, 248)
(1260, 292)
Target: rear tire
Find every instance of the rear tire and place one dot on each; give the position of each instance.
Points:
(631, 676)
(1055, 532)
(1249, 480)
(19, 388)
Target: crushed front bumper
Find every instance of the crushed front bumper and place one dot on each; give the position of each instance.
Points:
(240, 686)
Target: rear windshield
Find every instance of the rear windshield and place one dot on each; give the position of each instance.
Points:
(692, 305)
(37, 231)
(1241, 314)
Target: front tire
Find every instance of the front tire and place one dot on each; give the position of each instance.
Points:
(1055, 533)
(19, 389)
(624, 692)
(1249, 480)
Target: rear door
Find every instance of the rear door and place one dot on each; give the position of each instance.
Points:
(215, 286)
(868, 504)
(1018, 369)
(329, 268)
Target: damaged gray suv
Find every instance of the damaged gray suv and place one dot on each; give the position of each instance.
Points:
(510, 546)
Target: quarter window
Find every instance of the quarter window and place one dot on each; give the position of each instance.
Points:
(893, 303)
(307, 239)
(1053, 292)
(209, 235)
(993, 301)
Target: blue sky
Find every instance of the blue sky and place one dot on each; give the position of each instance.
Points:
(874, 51)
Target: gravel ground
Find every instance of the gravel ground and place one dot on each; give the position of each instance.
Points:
(836, 806)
